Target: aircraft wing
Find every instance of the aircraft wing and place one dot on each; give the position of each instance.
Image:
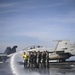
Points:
(57, 52)
(3, 54)
(10, 55)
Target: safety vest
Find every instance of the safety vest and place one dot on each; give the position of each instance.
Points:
(24, 56)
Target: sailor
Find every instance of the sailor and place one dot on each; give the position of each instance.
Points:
(31, 59)
(47, 59)
(25, 59)
(39, 57)
(44, 59)
(35, 59)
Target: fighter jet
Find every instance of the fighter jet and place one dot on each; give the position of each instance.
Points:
(63, 50)
(7, 54)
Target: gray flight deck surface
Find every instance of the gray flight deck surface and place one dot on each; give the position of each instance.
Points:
(54, 69)
(14, 68)
(5, 69)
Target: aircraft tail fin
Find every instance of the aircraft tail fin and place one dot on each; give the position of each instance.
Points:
(10, 50)
(62, 45)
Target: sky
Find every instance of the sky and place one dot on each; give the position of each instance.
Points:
(36, 22)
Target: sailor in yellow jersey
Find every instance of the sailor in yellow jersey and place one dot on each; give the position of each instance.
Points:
(25, 59)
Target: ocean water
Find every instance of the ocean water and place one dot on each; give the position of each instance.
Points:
(14, 68)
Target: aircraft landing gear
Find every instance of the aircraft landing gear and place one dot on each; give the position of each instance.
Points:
(62, 60)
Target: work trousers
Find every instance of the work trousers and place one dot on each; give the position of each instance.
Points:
(25, 63)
